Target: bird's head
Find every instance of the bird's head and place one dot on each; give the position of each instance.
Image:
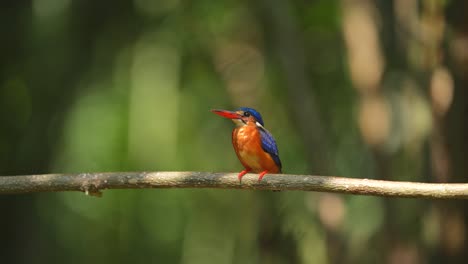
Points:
(241, 116)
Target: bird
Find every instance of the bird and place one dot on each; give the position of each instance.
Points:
(255, 147)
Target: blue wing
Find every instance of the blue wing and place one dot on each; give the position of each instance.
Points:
(269, 145)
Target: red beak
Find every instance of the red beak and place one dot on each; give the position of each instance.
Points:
(226, 114)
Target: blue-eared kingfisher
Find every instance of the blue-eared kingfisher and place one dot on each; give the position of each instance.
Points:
(254, 145)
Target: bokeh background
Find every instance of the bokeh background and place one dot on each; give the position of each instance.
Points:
(355, 88)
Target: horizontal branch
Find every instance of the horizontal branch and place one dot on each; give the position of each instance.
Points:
(93, 183)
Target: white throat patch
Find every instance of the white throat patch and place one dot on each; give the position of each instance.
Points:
(238, 122)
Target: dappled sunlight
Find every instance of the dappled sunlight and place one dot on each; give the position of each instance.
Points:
(405, 253)
(375, 120)
(331, 209)
(415, 123)
(441, 91)
(366, 63)
(93, 130)
(153, 106)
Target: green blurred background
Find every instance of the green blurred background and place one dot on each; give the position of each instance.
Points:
(365, 89)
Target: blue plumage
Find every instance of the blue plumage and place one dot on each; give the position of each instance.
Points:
(269, 145)
(253, 112)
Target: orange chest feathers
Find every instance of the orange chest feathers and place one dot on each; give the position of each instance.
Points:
(246, 141)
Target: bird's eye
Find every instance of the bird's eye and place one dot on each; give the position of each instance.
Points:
(246, 114)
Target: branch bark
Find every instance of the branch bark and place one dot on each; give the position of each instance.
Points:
(93, 183)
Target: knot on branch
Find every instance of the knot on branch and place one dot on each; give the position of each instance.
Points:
(92, 184)
(92, 190)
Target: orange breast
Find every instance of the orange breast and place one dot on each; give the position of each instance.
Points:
(247, 144)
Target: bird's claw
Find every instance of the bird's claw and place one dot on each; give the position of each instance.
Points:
(260, 177)
(241, 174)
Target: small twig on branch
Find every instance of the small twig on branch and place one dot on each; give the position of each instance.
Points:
(93, 183)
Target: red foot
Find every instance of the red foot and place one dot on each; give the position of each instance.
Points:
(260, 177)
(242, 173)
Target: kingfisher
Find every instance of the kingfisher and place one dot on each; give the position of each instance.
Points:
(255, 147)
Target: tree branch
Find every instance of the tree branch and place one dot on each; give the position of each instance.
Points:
(93, 183)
